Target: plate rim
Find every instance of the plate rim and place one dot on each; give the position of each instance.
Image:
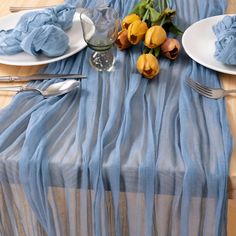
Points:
(210, 66)
(39, 62)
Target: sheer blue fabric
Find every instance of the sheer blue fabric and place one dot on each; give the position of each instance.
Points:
(225, 31)
(121, 155)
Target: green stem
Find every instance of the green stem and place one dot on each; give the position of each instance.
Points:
(151, 3)
(163, 20)
(157, 52)
(146, 15)
(162, 5)
(159, 5)
(151, 51)
(146, 50)
(168, 3)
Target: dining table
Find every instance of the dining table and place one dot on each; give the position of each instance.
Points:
(228, 82)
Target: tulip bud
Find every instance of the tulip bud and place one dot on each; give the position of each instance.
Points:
(155, 36)
(170, 48)
(148, 65)
(136, 31)
(122, 41)
(129, 20)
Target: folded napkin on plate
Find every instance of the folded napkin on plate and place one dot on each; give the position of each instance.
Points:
(225, 32)
(39, 31)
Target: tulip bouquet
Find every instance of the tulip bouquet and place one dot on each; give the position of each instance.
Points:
(150, 25)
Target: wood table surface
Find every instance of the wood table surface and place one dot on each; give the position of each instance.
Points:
(228, 82)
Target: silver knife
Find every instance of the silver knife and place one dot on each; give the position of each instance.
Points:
(8, 78)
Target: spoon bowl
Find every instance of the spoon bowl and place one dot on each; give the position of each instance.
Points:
(55, 89)
(60, 88)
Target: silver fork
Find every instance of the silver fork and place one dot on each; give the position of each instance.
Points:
(214, 93)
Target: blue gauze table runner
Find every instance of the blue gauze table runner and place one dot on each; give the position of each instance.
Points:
(121, 155)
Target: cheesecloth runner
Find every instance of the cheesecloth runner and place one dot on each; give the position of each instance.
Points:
(121, 155)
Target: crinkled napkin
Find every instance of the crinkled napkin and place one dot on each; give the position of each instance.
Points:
(41, 31)
(225, 32)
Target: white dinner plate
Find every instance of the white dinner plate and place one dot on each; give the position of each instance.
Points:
(76, 43)
(199, 43)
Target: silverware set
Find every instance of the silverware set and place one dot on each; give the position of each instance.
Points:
(66, 86)
(55, 89)
(40, 77)
(214, 93)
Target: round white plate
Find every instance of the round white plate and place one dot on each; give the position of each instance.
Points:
(199, 43)
(76, 43)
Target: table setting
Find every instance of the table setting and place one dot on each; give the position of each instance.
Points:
(117, 120)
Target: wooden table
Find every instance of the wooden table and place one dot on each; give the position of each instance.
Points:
(228, 82)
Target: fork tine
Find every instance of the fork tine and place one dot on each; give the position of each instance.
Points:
(201, 85)
(192, 86)
(198, 88)
(201, 92)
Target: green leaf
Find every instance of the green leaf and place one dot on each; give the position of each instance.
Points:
(146, 50)
(139, 11)
(169, 12)
(175, 30)
(141, 4)
(154, 15)
(169, 26)
(140, 8)
(156, 52)
(145, 9)
(165, 15)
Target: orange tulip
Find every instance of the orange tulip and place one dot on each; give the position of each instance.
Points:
(129, 20)
(155, 36)
(170, 48)
(148, 65)
(137, 31)
(122, 41)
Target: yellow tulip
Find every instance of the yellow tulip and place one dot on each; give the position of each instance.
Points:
(137, 31)
(170, 48)
(155, 36)
(122, 41)
(148, 65)
(129, 20)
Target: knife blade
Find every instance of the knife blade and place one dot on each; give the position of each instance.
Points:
(8, 78)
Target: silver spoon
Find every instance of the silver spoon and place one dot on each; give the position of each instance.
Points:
(55, 89)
